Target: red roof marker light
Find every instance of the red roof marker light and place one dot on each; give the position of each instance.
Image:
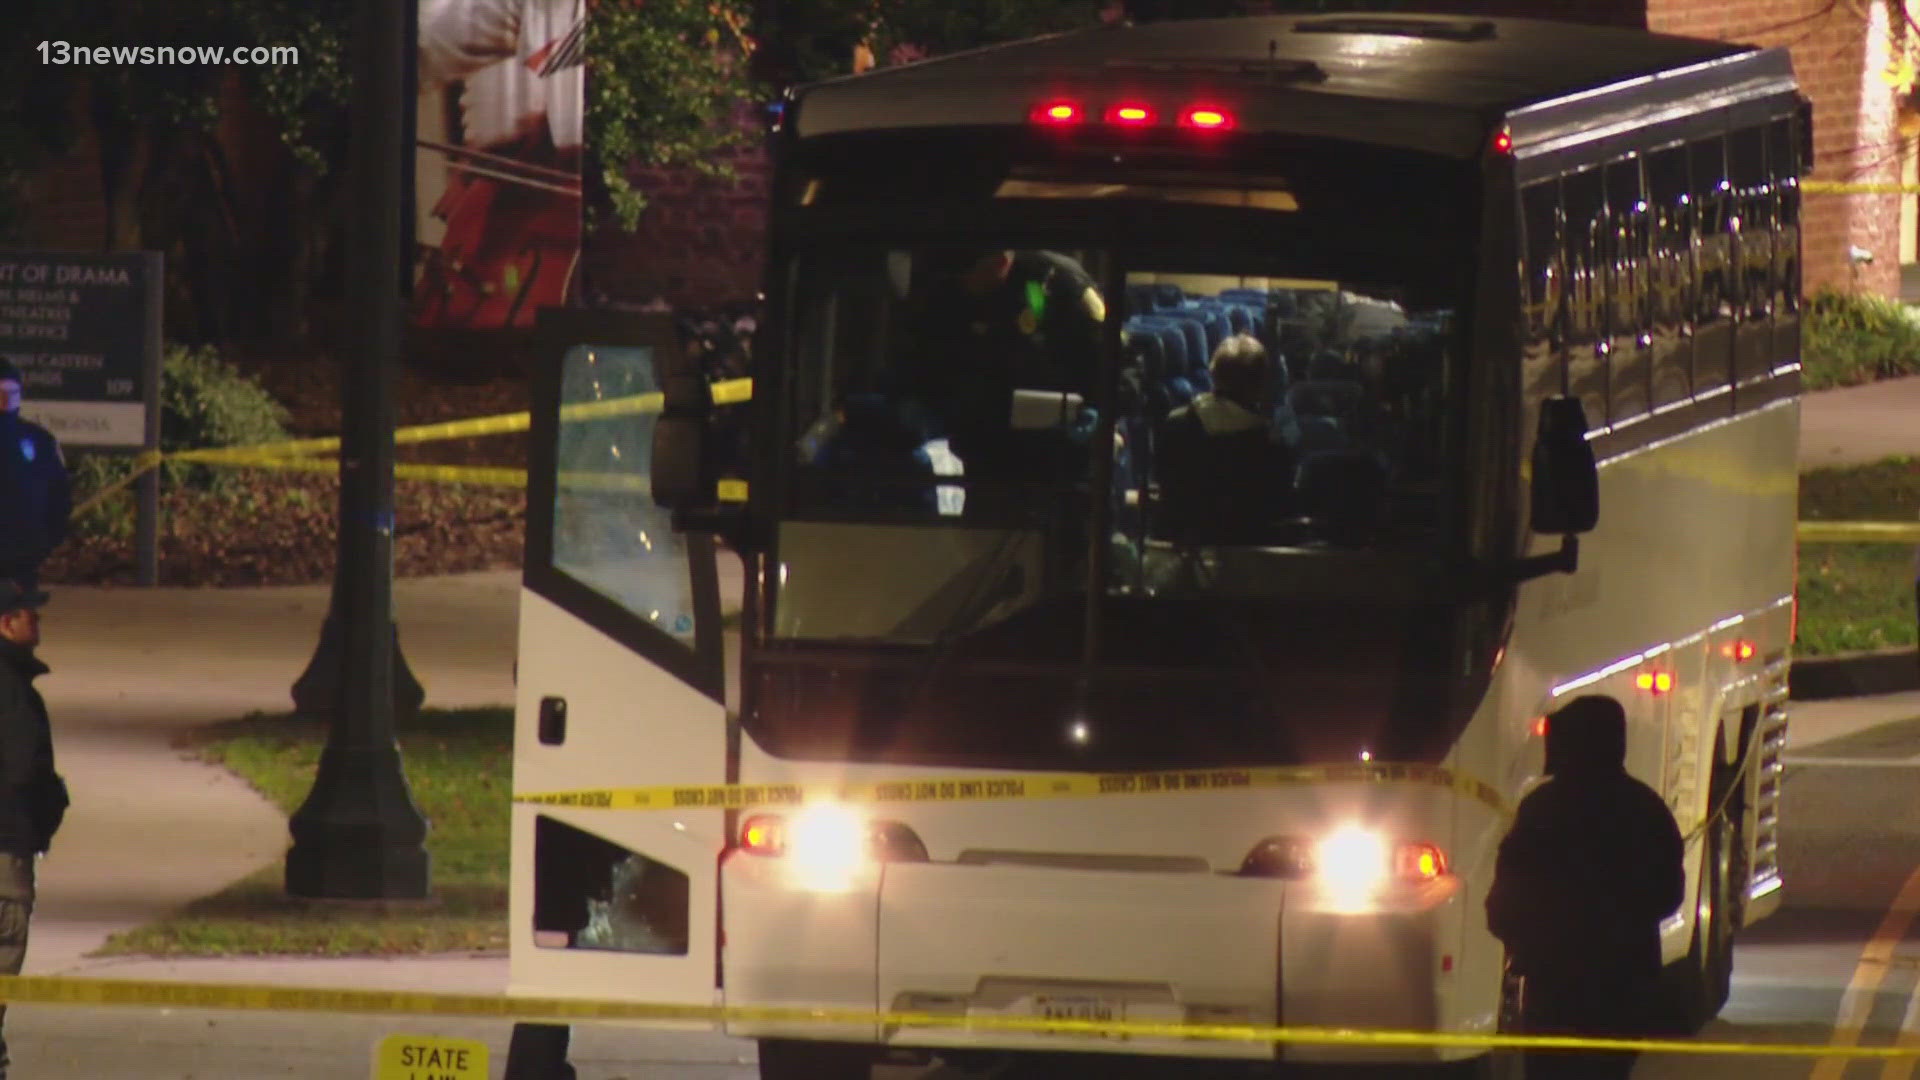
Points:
(1503, 142)
(1207, 118)
(1058, 112)
(1134, 115)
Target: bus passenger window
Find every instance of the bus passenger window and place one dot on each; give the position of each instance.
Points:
(1753, 253)
(1586, 260)
(1627, 293)
(1783, 167)
(1713, 268)
(1543, 373)
(1670, 221)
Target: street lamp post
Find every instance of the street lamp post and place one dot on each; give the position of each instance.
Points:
(359, 835)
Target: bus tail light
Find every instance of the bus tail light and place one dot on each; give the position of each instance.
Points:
(1654, 682)
(1738, 651)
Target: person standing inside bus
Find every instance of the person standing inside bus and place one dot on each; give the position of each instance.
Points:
(1591, 867)
(996, 322)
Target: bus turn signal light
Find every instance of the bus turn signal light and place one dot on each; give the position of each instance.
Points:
(1738, 651)
(1654, 682)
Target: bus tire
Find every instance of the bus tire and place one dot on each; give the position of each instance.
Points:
(791, 1059)
(539, 1052)
(1702, 982)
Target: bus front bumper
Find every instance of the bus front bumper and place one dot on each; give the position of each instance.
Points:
(951, 956)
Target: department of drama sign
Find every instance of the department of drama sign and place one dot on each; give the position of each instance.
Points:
(84, 332)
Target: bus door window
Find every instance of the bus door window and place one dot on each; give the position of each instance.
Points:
(1670, 212)
(1784, 167)
(1712, 268)
(1584, 199)
(607, 534)
(1752, 236)
(1629, 358)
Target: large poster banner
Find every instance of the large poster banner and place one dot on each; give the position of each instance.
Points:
(497, 169)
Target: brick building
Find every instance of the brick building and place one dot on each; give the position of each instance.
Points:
(700, 240)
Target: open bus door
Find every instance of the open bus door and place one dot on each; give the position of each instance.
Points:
(620, 684)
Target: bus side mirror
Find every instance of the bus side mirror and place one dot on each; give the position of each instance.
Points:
(1566, 480)
(680, 470)
(1566, 487)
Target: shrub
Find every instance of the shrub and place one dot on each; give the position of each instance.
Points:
(1852, 338)
(204, 401)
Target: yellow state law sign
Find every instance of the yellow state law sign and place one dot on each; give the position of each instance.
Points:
(429, 1057)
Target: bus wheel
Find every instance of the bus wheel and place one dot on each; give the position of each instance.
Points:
(1704, 980)
(788, 1059)
(539, 1052)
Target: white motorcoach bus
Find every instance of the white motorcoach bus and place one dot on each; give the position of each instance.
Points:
(1527, 296)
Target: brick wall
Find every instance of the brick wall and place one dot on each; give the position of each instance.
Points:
(1838, 57)
(700, 241)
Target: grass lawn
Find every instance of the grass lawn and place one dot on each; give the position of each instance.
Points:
(459, 764)
(1857, 596)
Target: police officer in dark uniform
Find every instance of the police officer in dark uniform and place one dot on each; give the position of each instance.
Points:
(36, 496)
(1592, 866)
(998, 321)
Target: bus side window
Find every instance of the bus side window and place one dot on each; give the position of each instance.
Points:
(1584, 198)
(1712, 269)
(1544, 293)
(1784, 167)
(1627, 317)
(1751, 233)
(1671, 222)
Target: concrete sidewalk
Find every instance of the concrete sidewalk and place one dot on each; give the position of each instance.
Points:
(1855, 425)
(136, 669)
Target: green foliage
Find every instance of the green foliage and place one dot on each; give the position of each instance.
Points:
(1853, 338)
(308, 99)
(667, 79)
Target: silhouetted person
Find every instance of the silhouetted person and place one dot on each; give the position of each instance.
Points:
(36, 497)
(1591, 867)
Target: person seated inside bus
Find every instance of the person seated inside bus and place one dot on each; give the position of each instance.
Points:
(996, 322)
(868, 456)
(1225, 472)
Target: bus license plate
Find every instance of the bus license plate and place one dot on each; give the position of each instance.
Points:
(1079, 1009)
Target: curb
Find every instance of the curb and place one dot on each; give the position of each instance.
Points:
(1860, 674)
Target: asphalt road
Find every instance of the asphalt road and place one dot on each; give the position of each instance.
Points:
(1839, 963)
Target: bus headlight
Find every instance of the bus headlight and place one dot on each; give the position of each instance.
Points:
(1351, 862)
(826, 845)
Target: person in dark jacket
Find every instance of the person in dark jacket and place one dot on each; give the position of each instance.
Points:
(33, 798)
(36, 495)
(1225, 474)
(1592, 866)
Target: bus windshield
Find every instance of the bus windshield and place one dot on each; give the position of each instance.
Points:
(946, 433)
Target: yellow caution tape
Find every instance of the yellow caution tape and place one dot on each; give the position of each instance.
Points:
(145, 462)
(38, 990)
(1860, 532)
(1016, 787)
